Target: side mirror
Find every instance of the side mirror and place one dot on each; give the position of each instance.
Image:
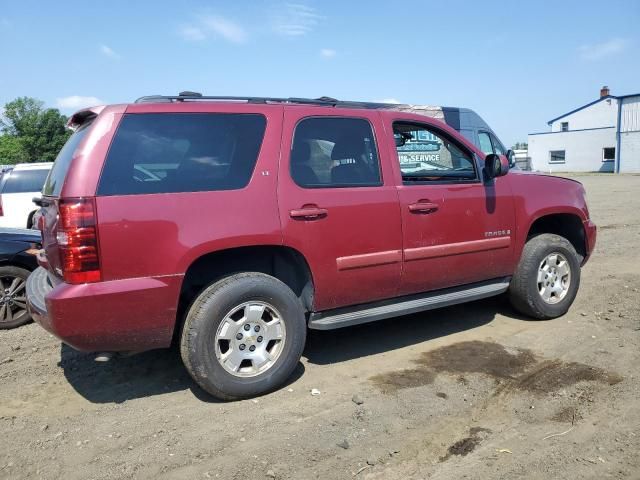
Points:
(511, 156)
(494, 166)
(399, 139)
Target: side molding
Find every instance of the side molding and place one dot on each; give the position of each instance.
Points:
(369, 259)
(456, 248)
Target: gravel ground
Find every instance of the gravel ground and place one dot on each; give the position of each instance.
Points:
(472, 391)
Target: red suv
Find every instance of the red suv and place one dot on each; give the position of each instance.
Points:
(234, 224)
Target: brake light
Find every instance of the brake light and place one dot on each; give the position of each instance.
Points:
(77, 238)
(1, 210)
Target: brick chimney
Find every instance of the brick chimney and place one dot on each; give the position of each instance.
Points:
(604, 92)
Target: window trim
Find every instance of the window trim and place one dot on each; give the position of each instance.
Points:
(443, 181)
(564, 161)
(380, 183)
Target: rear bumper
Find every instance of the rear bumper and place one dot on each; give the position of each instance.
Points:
(120, 315)
(591, 233)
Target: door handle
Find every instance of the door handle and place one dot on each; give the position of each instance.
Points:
(423, 207)
(309, 213)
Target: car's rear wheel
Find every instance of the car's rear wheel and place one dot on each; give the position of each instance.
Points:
(13, 301)
(547, 278)
(243, 336)
(30, 219)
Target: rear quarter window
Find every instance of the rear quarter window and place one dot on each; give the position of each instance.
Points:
(24, 181)
(53, 184)
(169, 153)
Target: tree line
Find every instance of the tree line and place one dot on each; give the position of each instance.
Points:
(29, 132)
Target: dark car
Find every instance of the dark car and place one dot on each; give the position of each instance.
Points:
(17, 261)
(470, 125)
(235, 224)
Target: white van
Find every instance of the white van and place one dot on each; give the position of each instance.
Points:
(18, 186)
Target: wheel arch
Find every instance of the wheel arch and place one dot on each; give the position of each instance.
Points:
(284, 263)
(565, 224)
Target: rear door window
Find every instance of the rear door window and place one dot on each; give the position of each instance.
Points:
(23, 181)
(183, 152)
(334, 152)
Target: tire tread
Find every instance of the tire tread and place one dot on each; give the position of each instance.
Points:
(520, 293)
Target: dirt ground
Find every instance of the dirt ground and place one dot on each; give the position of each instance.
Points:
(472, 391)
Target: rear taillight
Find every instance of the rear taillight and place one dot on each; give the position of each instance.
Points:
(1, 210)
(77, 238)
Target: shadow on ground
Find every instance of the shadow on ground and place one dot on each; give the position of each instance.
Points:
(142, 375)
(332, 346)
(159, 372)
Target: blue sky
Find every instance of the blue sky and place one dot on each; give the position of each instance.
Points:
(517, 64)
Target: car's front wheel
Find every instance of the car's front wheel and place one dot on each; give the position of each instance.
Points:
(243, 336)
(547, 278)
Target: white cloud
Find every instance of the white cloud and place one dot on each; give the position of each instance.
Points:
(213, 25)
(388, 100)
(192, 33)
(328, 53)
(295, 19)
(598, 51)
(225, 28)
(75, 102)
(109, 52)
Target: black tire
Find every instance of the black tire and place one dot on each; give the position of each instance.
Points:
(197, 346)
(523, 291)
(7, 273)
(30, 220)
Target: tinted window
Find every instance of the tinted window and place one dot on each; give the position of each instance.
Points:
(334, 152)
(184, 152)
(556, 156)
(425, 155)
(54, 182)
(22, 181)
(485, 143)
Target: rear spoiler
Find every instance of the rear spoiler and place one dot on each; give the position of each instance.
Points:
(83, 116)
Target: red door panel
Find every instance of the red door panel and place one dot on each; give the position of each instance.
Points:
(351, 236)
(454, 233)
(467, 239)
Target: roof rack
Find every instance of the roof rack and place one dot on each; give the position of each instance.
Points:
(322, 101)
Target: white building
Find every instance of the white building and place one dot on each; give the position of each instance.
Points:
(601, 136)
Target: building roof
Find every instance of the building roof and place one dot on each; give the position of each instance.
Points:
(618, 97)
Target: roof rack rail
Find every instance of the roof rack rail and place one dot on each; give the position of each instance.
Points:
(322, 101)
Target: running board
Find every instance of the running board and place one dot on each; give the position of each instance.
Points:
(345, 317)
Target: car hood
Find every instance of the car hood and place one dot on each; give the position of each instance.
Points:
(20, 235)
(542, 174)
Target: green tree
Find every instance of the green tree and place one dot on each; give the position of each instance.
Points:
(30, 132)
(11, 150)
